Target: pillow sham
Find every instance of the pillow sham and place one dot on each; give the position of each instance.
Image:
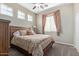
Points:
(23, 32)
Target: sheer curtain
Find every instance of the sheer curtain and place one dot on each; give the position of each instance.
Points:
(50, 24)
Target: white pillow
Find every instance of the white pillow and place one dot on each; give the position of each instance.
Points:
(17, 33)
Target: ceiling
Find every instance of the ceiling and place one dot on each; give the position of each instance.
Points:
(30, 6)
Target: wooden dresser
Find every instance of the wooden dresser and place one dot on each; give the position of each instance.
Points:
(4, 37)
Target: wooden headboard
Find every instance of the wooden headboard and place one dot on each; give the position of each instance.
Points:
(16, 28)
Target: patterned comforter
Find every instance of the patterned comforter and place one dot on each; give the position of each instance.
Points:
(34, 44)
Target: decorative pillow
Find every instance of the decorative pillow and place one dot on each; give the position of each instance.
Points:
(30, 32)
(17, 33)
(23, 32)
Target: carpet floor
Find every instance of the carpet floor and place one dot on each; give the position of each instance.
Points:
(56, 50)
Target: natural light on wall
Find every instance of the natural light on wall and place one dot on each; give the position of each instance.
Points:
(50, 24)
(4, 9)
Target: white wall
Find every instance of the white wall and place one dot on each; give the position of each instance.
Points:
(67, 23)
(76, 14)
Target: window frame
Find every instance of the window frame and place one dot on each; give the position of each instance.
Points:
(21, 15)
(29, 17)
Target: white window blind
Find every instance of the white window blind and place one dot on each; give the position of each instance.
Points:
(6, 10)
(50, 24)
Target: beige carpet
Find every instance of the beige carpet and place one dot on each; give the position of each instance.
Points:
(56, 50)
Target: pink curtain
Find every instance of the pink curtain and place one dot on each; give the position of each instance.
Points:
(43, 22)
(35, 26)
(57, 21)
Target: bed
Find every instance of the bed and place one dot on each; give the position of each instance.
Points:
(36, 45)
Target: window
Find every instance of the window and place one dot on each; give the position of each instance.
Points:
(6, 10)
(21, 15)
(50, 24)
(29, 18)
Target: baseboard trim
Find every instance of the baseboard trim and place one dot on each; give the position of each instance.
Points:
(65, 43)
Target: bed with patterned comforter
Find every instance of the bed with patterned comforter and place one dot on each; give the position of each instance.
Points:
(34, 44)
